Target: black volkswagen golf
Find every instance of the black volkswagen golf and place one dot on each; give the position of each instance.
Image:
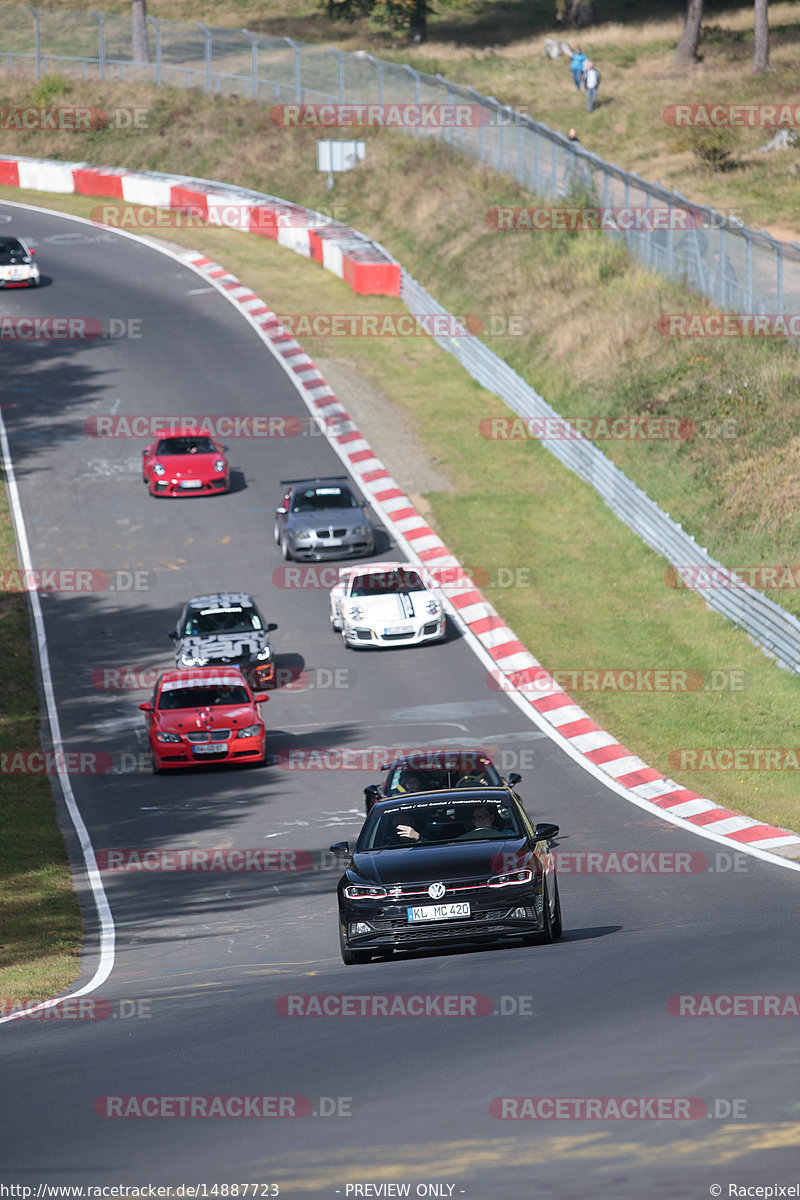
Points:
(435, 868)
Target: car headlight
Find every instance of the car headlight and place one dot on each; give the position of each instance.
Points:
(355, 612)
(365, 891)
(511, 878)
(188, 658)
(302, 535)
(264, 654)
(220, 465)
(361, 530)
(158, 469)
(167, 737)
(249, 731)
(434, 607)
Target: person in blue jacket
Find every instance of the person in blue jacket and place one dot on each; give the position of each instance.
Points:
(576, 65)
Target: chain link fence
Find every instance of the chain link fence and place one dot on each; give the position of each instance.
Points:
(734, 267)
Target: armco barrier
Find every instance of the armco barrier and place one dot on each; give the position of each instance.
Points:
(368, 268)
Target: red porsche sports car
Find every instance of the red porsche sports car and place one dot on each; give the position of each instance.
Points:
(185, 462)
(204, 715)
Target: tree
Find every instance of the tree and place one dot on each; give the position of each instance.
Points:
(141, 52)
(686, 54)
(761, 40)
(402, 16)
(575, 13)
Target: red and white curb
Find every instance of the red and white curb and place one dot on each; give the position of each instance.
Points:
(350, 255)
(517, 672)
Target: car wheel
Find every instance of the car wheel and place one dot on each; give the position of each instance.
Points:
(558, 927)
(352, 958)
(277, 534)
(336, 628)
(156, 767)
(285, 551)
(546, 936)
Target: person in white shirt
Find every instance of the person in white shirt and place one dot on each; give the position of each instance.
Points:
(591, 81)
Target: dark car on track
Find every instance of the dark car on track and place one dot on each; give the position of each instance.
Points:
(440, 868)
(322, 518)
(437, 770)
(226, 628)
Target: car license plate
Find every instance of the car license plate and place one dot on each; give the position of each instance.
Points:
(191, 483)
(439, 912)
(211, 748)
(391, 629)
(18, 273)
(330, 541)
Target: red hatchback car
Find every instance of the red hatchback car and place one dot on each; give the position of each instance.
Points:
(205, 715)
(185, 462)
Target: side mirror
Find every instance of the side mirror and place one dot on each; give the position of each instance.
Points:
(372, 794)
(281, 512)
(261, 698)
(173, 634)
(544, 832)
(340, 847)
(31, 251)
(272, 625)
(514, 779)
(146, 707)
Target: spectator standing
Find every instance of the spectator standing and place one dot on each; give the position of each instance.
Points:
(577, 65)
(591, 81)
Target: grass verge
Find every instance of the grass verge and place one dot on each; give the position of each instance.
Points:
(588, 595)
(40, 922)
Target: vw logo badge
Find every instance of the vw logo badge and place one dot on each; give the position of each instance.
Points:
(436, 891)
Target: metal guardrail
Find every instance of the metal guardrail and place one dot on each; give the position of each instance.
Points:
(770, 626)
(735, 267)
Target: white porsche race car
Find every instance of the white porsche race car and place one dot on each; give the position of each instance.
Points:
(386, 604)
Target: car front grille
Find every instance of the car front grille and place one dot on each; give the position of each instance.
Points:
(211, 735)
(327, 533)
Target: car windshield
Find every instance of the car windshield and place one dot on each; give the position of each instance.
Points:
(455, 821)
(12, 251)
(202, 697)
(185, 445)
(211, 622)
(319, 498)
(429, 773)
(387, 583)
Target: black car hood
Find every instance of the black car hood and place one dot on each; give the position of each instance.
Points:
(461, 860)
